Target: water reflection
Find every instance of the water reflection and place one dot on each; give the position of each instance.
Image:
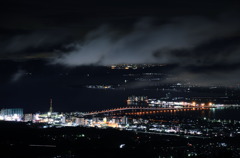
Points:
(222, 113)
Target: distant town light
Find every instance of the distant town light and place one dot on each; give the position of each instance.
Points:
(194, 103)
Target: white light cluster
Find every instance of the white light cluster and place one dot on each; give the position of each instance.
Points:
(14, 117)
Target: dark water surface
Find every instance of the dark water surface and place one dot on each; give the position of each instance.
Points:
(222, 113)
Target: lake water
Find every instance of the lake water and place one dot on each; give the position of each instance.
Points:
(222, 113)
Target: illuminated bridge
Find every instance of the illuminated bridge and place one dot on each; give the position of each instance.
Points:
(144, 110)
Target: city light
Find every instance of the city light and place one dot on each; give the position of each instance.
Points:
(193, 103)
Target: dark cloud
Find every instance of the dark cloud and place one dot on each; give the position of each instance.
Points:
(174, 42)
(194, 43)
(18, 75)
(201, 37)
(33, 40)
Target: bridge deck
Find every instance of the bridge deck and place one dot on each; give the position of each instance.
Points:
(143, 108)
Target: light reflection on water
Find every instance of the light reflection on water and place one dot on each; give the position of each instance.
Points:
(229, 113)
(223, 113)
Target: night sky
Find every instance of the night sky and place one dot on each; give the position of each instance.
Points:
(48, 48)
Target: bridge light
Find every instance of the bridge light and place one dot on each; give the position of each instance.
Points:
(194, 103)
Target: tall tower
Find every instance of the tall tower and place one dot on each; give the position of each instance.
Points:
(51, 108)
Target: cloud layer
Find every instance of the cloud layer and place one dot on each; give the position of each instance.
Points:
(201, 47)
(172, 42)
(18, 75)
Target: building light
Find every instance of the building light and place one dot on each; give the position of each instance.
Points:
(194, 103)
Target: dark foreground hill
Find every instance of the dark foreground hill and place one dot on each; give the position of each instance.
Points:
(28, 141)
